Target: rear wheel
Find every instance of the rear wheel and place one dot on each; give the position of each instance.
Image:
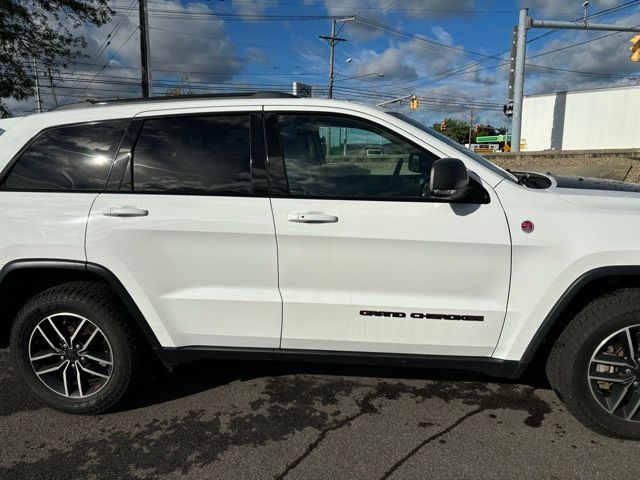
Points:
(74, 348)
(594, 366)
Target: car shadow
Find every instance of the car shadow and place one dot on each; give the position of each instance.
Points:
(196, 377)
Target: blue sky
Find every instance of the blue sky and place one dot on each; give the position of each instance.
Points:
(450, 53)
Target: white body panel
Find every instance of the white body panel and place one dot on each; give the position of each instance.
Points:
(203, 270)
(43, 225)
(575, 231)
(412, 257)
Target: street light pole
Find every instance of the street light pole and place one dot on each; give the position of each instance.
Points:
(518, 85)
(35, 74)
(524, 23)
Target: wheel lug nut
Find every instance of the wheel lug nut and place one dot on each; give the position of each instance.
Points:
(628, 370)
(61, 357)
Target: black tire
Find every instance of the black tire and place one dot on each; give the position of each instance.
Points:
(97, 303)
(570, 361)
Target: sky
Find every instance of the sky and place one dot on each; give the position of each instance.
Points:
(452, 54)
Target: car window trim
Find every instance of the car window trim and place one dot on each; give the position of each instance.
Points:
(278, 180)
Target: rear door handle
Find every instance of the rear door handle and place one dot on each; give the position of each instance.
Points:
(312, 217)
(126, 211)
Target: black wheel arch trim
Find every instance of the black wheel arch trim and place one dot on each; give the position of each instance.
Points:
(563, 302)
(95, 269)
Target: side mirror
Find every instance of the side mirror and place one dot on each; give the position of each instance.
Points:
(449, 179)
(418, 163)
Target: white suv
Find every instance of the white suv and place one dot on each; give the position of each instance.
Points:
(260, 226)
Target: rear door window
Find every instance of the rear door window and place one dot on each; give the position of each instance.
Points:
(197, 155)
(71, 158)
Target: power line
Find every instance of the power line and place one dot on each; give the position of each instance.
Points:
(107, 40)
(110, 58)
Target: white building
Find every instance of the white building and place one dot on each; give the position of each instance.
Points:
(582, 120)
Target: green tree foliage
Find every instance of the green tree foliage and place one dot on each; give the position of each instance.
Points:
(457, 130)
(181, 88)
(41, 29)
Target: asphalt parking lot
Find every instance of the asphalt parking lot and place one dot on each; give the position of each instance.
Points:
(297, 421)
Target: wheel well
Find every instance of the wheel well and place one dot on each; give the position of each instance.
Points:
(21, 284)
(558, 319)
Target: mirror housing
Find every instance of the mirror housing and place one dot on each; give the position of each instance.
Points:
(449, 179)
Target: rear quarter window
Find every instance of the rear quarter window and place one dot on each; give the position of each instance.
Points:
(70, 158)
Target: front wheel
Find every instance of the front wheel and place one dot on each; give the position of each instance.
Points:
(74, 348)
(594, 366)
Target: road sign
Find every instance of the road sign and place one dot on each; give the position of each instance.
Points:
(302, 90)
(493, 139)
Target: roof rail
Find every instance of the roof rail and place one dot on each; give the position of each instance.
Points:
(96, 102)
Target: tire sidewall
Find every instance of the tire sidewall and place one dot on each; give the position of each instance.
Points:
(25, 324)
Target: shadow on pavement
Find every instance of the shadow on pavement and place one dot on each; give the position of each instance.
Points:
(192, 378)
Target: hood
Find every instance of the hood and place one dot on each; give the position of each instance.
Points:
(597, 192)
(601, 184)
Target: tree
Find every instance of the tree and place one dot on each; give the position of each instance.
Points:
(457, 130)
(34, 29)
(181, 88)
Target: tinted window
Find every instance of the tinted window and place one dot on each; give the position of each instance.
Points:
(68, 158)
(194, 155)
(452, 143)
(331, 156)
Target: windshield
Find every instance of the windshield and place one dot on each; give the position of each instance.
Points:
(452, 143)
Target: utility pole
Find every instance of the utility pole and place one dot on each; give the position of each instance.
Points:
(470, 124)
(145, 52)
(526, 22)
(35, 74)
(333, 41)
(53, 88)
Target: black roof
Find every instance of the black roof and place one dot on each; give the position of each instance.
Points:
(96, 102)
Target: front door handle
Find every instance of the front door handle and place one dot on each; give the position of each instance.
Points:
(126, 211)
(312, 217)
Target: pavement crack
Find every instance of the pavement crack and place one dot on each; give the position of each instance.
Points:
(312, 446)
(433, 437)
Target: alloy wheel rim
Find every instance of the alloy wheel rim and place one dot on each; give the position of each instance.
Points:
(70, 355)
(614, 374)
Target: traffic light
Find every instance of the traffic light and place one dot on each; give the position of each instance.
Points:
(413, 103)
(443, 126)
(507, 109)
(635, 49)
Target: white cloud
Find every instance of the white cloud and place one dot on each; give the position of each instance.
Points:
(409, 8)
(555, 6)
(442, 35)
(605, 56)
(202, 47)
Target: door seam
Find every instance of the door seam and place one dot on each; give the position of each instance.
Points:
(275, 234)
